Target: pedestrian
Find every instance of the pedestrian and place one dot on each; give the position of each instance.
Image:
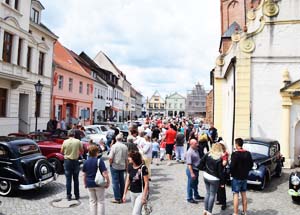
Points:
(63, 125)
(241, 164)
(192, 172)
(137, 180)
(179, 147)
(155, 151)
(118, 163)
(162, 150)
(50, 125)
(213, 176)
(170, 138)
(72, 148)
(187, 134)
(213, 133)
(130, 144)
(221, 195)
(146, 151)
(96, 193)
(203, 139)
(54, 123)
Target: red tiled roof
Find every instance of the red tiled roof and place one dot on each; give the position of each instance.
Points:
(64, 59)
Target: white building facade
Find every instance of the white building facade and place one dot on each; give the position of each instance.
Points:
(175, 105)
(257, 82)
(26, 53)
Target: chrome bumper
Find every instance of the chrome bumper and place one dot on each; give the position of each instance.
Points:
(38, 184)
(254, 182)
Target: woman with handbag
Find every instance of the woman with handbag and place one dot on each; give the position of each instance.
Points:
(96, 188)
(137, 179)
(213, 175)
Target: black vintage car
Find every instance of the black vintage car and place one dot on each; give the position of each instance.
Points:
(294, 185)
(22, 166)
(267, 160)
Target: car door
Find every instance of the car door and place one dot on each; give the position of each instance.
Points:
(273, 156)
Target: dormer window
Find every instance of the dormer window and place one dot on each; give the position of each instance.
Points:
(35, 15)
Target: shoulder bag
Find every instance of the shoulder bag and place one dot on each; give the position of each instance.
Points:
(99, 179)
(147, 207)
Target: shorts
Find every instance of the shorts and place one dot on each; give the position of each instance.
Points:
(238, 185)
(169, 149)
(154, 154)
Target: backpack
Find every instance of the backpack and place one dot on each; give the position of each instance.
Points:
(203, 137)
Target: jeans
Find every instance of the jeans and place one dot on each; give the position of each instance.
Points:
(118, 182)
(136, 201)
(72, 171)
(211, 191)
(96, 198)
(192, 184)
(179, 153)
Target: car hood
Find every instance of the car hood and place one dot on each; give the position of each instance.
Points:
(258, 158)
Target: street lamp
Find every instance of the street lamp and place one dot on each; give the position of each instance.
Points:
(38, 91)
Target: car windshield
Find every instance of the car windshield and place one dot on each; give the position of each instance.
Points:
(103, 128)
(256, 148)
(123, 127)
(90, 131)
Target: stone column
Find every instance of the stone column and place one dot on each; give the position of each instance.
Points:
(285, 131)
(24, 51)
(15, 47)
(1, 42)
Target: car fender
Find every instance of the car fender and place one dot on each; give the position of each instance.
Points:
(10, 174)
(59, 156)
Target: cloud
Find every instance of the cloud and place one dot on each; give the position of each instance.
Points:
(160, 45)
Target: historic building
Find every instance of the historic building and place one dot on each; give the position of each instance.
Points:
(139, 104)
(175, 105)
(116, 92)
(26, 50)
(256, 78)
(72, 88)
(155, 105)
(209, 119)
(196, 102)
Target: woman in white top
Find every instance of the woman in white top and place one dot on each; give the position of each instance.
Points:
(146, 149)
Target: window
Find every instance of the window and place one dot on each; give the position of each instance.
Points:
(60, 82)
(28, 65)
(41, 63)
(19, 52)
(38, 105)
(3, 152)
(88, 89)
(80, 87)
(7, 1)
(35, 15)
(16, 4)
(7, 47)
(180, 105)
(59, 112)
(175, 105)
(170, 105)
(3, 100)
(70, 84)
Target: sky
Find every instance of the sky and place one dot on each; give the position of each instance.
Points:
(164, 45)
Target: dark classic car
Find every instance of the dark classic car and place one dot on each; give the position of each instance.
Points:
(123, 128)
(22, 166)
(294, 185)
(267, 160)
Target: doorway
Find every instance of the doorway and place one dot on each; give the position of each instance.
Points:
(24, 126)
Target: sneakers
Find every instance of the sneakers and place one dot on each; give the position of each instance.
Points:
(199, 198)
(223, 207)
(116, 201)
(192, 201)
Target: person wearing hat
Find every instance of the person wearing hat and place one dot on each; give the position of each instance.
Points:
(72, 148)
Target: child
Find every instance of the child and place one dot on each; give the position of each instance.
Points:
(155, 150)
(162, 150)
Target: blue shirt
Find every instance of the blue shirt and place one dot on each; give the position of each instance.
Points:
(90, 169)
(155, 147)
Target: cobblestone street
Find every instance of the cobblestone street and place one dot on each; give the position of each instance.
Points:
(168, 193)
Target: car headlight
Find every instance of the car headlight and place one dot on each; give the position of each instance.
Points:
(254, 166)
(295, 180)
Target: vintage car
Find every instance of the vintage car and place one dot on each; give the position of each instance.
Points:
(267, 160)
(294, 185)
(94, 133)
(123, 128)
(22, 166)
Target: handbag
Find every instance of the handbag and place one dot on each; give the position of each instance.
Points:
(147, 207)
(99, 179)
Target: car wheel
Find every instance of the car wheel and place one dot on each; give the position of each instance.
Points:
(58, 166)
(42, 168)
(5, 187)
(296, 198)
(263, 183)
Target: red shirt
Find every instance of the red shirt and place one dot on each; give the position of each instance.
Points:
(170, 136)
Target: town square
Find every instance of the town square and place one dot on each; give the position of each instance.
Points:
(149, 107)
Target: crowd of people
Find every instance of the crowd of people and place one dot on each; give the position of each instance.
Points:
(157, 141)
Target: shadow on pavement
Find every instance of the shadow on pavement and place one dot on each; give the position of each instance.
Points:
(40, 193)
